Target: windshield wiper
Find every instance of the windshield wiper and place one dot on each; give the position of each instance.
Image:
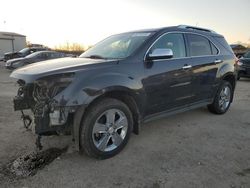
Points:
(95, 57)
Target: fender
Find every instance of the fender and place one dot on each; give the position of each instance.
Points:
(99, 85)
(115, 82)
(227, 68)
(110, 83)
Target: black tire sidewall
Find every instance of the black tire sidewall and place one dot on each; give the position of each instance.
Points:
(86, 141)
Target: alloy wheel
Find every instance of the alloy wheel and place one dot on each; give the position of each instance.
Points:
(225, 97)
(109, 130)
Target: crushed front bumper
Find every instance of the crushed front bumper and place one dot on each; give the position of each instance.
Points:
(49, 118)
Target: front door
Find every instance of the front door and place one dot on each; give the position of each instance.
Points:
(168, 82)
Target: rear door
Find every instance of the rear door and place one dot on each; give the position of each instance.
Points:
(168, 81)
(204, 61)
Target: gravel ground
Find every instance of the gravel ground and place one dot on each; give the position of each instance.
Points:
(191, 149)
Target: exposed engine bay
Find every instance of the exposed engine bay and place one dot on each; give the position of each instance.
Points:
(50, 116)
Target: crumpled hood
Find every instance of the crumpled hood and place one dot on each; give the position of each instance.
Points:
(34, 71)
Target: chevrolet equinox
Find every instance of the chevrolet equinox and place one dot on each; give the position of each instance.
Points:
(126, 80)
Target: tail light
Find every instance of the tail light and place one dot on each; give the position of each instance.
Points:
(238, 62)
(236, 59)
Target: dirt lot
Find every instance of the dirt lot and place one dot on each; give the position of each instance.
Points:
(192, 149)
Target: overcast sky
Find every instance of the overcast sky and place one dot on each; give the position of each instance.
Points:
(88, 21)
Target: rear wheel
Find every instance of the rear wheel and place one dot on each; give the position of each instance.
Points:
(106, 128)
(222, 99)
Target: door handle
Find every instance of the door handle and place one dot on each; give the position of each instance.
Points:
(185, 67)
(218, 61)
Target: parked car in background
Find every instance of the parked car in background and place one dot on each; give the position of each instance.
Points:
(33, 58)
(22, 53)
(244, 66)
(125, 80)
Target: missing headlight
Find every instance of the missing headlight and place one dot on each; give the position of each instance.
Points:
(50, 86)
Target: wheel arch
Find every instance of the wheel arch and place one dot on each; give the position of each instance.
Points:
(126, 97)
(230, 77)
(122, 94)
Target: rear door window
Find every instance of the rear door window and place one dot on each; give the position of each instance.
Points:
(199, 45)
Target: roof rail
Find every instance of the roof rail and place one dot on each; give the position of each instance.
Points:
(195, 28)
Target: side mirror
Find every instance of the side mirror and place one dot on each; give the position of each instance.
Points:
(160, 54)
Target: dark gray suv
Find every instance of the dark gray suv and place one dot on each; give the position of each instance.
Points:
(124, 81)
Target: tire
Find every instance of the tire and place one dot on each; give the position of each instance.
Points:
(105, 128)
(222, 101)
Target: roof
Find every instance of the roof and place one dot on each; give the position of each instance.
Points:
(11, 34)
(47, 51)
(182, 28)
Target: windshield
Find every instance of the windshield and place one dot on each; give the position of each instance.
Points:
(33, 55)
(24, 51)
(247, 55)
(117, 46)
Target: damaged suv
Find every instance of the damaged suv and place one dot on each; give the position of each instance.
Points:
(126, 80)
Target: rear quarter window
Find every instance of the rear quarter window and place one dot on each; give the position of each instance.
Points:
(215, 51)
(224, 43)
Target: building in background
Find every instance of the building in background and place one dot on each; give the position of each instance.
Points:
(11, 42)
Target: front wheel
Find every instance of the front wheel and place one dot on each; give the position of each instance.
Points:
(105, 128)
(222, 99)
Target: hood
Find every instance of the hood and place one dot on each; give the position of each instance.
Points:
(14, 60)
(34, 71)
(10, 53)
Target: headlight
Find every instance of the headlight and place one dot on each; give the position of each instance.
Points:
(50, 86)
(9, 63)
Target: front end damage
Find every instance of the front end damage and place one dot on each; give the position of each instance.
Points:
(46, 100)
